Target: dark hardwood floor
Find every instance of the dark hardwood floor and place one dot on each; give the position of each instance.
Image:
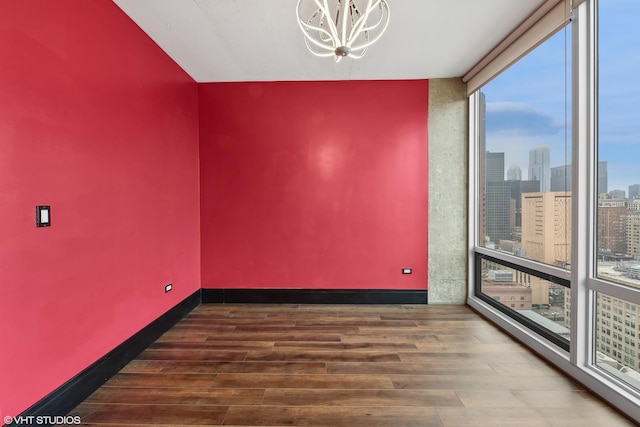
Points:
(282, 365)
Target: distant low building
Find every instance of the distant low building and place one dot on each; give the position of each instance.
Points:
(514, 295)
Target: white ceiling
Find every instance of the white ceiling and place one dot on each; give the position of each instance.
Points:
(259, 40)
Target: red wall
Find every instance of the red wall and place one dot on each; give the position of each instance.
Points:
(314, 184)
(98, 123)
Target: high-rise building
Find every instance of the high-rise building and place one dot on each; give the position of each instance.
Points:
(517, 189)
(561, 178)
(494, 167)
(617, 194)
(514, 173)
(612, 229)
(497, 209)
(633, 205)
(633, 234)
(603, 178)
(634, 191)
(617, 340)
(540, 167)
(546, 227)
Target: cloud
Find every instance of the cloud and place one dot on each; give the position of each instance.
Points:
(516, 128)
(520, 118)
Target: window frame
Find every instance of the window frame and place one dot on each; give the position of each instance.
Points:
(513, 314)
(579, 362)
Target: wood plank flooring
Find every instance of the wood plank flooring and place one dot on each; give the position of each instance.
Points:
(319, 365)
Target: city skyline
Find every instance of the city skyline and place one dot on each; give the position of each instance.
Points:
(521, 116)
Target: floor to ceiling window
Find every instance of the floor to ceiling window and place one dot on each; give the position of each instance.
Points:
(617, 249)
(555, 143)
(525, 182)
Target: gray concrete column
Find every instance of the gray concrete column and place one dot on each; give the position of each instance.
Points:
(448, 186)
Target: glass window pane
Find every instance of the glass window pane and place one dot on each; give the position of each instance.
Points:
(525, 206)
(617, 338)
(618, 215)
(537, 301)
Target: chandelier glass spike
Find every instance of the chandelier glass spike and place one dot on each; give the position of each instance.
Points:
(344, 28)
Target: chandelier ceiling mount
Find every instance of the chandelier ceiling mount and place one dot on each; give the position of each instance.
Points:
(344, 28)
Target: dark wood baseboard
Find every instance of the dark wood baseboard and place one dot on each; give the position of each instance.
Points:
(77, 389)
(69, 395)
(313, 296)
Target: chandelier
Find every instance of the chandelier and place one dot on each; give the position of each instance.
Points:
(346, 28)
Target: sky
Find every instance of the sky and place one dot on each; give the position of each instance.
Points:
(529, 104)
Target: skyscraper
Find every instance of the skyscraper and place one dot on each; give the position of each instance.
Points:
(617, 194)
(498, 211)
(517, 189)
(561, 178)
(540, 167)
(634, 191)
(494, 165)
(612, 229)
(546, 227)
(603, 178)
(514, 174)
(633, 234)
(497, 199)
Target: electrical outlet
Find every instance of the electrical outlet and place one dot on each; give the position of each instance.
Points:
(43, 216)
(168, 287)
